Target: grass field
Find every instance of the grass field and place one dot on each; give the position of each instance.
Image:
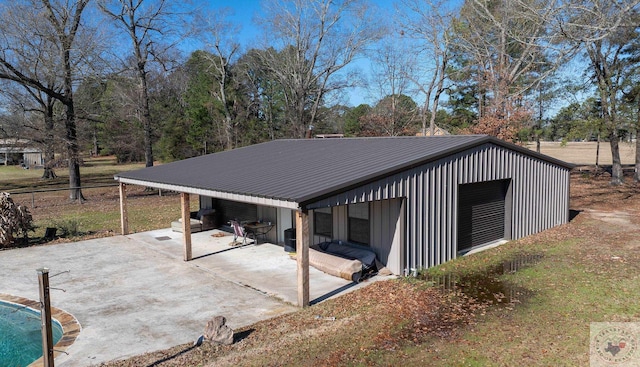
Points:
(95, 171)
(584, 153)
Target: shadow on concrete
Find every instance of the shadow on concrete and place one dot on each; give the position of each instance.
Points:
(334, 292)
(221, 251)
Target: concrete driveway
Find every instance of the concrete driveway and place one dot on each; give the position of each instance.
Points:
(134, 294)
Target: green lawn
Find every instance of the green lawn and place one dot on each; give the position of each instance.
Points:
(582, 279)
(94, 171)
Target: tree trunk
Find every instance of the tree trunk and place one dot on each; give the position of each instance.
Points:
(49, 154)
(228, 120)
(617, 177)
(425, 110)
(94, 139)
(598, 152)
(300, 126)
(436, 100)
(538, 127)
(636, 175)
(145, 116)
(75, 192)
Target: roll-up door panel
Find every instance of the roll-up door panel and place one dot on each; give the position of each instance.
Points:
(481, 213)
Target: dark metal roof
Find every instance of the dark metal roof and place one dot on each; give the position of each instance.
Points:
(305, 170)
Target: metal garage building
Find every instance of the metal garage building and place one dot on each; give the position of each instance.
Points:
(417, 201)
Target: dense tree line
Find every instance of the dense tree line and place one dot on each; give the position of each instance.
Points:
(113, 76)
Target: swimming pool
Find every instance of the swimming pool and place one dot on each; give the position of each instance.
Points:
(20, 334)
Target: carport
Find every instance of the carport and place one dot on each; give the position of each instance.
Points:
(301, 220)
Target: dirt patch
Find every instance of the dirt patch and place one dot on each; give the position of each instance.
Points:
(595, 193)
(617, 218)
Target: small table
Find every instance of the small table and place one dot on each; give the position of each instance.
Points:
(258, 229)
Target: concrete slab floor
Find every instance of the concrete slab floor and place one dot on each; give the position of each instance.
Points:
(134, 294)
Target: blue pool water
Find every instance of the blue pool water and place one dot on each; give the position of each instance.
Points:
(20, 335)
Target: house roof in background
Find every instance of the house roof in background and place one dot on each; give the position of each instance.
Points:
(18, 146)
(305, 170)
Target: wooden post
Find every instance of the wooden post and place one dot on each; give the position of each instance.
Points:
(124, 218)
(186, 225)
(302, 255)
(45, 318)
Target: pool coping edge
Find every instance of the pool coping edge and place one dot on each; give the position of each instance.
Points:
(70, 326)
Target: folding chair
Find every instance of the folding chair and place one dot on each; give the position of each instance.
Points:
(238, 231)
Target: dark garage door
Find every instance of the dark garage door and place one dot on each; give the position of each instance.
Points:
(481, 211)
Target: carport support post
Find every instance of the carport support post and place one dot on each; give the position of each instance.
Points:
(186, 225)
(302, 255)
(124, 218)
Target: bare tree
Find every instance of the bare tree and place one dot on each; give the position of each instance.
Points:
(428, 23)
(53, 23)
(151, 28)
(40, 54)
(606, 60)
(219, 35)
(632, 95)
(391, 116)
(511, 45)
(392, 70)
(314, 41)
(602, 29)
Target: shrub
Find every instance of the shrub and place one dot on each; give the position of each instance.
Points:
(15, 221)
(68, 227)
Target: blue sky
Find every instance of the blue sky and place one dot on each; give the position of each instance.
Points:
(246, 10)
(244, 15)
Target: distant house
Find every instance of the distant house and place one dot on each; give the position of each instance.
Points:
(416, 201)
(328, 136)
(30, 155)
(437, 131)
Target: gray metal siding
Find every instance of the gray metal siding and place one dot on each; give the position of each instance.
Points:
(386, 218)
(539, 201)
(387, 236)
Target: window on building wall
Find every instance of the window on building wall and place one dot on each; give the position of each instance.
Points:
(323, 222)
(359, 223)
